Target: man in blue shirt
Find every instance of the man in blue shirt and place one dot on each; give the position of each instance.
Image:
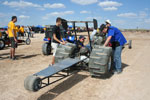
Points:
(116, 38)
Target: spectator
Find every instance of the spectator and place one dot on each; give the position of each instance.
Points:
(21, 31)
(13, 37)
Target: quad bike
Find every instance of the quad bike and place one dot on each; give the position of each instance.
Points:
(4, 40)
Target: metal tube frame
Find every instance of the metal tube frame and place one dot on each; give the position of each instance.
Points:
(62, 76)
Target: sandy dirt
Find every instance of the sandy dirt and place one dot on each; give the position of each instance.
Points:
(132, 84)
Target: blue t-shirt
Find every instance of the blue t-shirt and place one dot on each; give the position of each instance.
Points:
(116, 35)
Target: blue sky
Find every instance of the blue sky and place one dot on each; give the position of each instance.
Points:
(122, 13)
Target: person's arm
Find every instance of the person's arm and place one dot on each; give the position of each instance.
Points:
(56, 39)
(63, 40)
(13, 29)
(110, 34)
(14, 36)
(93, 33)
(107, 41)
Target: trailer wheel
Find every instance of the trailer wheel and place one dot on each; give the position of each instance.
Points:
(28, 41)
(130, 44)
(100, 61)
(2, 44)
(46, 49)
(32, 83)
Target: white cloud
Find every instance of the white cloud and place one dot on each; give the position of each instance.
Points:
(110, 4)
(85, 12)
(24, 17)
(84, 2)
(147, 20)
(20, 4)
(127, 15)
(68, 12)
(24, 4)
(57, 14)
(91, 18)
(142, 14)
(146, 9)
(120, 22)
(55, 5)
(110, 9)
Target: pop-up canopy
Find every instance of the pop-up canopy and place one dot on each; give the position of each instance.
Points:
(39, 26)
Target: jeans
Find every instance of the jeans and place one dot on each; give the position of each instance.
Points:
(117, 58)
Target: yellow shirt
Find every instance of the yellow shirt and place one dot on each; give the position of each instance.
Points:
(44, 29)
(11, 27)
(21, 29)
(17, 29)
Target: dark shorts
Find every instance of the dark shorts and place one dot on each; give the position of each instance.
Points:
(13, 43)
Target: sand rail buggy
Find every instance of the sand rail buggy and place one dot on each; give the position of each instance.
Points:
(94, 55)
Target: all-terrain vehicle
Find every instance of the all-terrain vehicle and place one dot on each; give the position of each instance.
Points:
(4, 40)
(46, 47)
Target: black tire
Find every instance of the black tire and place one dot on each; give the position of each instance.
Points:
(130, 44)
(46, 49)
(28, 41)
(100, 61)
(2, 44)
(32, 83)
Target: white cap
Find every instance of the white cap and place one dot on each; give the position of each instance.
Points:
(108, 21)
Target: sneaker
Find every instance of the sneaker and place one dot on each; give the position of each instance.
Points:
(117, 72)
(10, 57)
(50, 64)
(13, 58)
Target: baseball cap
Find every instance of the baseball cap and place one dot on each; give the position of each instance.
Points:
(108, 21)
(102, 27)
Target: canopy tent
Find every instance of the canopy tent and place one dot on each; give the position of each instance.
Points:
(5, 27)
(39, 26)
(70, 26)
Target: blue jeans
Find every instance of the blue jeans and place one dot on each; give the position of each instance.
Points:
(117, 58)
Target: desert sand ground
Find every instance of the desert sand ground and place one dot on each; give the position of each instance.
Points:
(132, 84)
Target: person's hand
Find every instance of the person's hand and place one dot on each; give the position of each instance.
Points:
(63, 43)
(16, 40)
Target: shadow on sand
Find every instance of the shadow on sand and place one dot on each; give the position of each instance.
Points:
(70, 82)
(110, 74)
(6, 56)
(60, 88)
